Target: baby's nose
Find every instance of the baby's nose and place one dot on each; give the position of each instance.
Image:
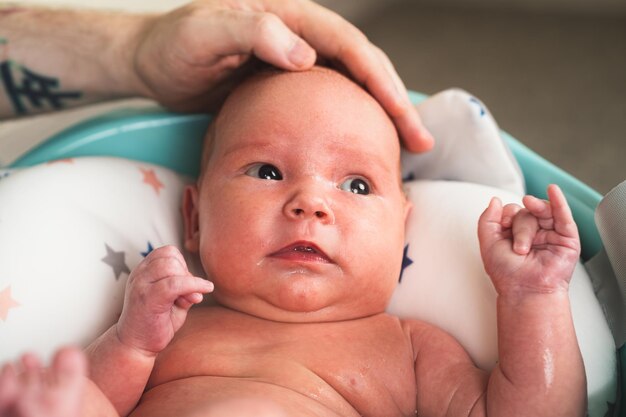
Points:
(309, 204)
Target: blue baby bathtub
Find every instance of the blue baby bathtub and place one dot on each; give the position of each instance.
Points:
(175, 141)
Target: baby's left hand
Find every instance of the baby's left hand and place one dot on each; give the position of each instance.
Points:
(531, 249)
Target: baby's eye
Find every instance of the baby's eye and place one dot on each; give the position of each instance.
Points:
(265, 171)
(356, 186)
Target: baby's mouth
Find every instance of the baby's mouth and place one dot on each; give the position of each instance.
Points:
(302, 252)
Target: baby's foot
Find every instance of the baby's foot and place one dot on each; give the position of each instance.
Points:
(39, 392)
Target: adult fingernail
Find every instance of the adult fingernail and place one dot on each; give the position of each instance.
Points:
(426, 139)
(301, 54)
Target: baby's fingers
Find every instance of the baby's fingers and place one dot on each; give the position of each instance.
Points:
(186, 301)
(489, 224)
(169, 290)
(541, 209)
(525, 226)
(508, 213)
(563, 220)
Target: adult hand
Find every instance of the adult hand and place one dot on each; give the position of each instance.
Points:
(189, 58)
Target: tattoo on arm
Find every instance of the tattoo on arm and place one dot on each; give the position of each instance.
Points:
(35, 89)
(9, 8)
(26, 88)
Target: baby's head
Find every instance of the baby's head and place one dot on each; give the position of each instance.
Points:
(299, 212)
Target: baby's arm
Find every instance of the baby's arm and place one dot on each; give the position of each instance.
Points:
(159, 293)
(530, 254)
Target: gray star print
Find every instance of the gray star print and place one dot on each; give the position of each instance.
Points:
(116, 260)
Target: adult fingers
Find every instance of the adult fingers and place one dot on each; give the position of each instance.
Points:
(408, 119)
(335, 38)
(260, 33)
(275, 43)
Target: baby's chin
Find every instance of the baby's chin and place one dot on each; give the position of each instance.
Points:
(292, 310)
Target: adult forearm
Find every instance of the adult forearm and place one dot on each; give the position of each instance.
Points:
(119, 371)
(540, 369)
(52, 59)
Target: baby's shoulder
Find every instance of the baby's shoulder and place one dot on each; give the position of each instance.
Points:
(420, 331)
(433, 342)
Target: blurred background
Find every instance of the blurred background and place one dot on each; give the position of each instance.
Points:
(552, 72)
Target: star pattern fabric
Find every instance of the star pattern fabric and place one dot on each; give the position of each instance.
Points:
(117, 261)
(406, 261)
(6, 303)
(480, 106)
(147, 252)
(150, 178)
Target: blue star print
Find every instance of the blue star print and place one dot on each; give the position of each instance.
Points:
(147, 252)
(478, 103)
(406, 261)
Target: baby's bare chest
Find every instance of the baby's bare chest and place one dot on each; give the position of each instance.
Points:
(368, 362)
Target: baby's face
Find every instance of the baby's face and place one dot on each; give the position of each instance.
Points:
(300, 213)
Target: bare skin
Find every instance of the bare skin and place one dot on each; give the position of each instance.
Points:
(190, 58)
(53, 392)
(303, 247)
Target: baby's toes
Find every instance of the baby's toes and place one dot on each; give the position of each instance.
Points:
(8, 387)
(66, 382)
(69, 368)
(30, 387)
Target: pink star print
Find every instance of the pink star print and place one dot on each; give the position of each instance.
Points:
(150, 178)
(6, 303)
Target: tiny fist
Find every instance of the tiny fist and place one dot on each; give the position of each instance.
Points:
(521, 248)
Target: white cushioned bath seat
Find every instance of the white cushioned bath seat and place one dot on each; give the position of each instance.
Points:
(71, 230)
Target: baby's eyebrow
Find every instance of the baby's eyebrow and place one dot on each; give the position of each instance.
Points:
(362, 155)
(340, 151)
(255, 146)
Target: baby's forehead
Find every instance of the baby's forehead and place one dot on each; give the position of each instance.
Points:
(303, 101)
(328, 81)
(320, 92)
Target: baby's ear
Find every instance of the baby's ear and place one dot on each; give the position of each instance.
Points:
(191, 238)
(408, 207)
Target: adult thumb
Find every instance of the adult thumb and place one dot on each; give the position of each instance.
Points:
(272, 41)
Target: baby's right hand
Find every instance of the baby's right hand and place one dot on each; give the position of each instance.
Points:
(159, 293)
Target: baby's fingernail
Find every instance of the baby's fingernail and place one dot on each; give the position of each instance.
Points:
(521, 248)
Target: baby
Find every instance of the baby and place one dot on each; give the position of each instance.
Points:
(298, 220)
